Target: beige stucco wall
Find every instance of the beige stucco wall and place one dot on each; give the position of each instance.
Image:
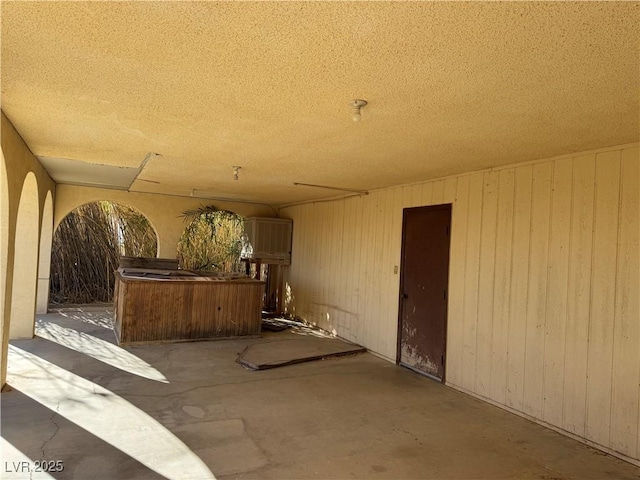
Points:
(44, 262)
(163, 211)
(18, 162)
(543, 306)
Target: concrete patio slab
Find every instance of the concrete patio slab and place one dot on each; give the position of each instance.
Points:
(187, 410)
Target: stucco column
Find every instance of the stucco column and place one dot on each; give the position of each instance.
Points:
(168, 232)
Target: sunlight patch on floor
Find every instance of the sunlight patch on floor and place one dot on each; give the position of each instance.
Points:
(105, 415)
(96, 348)
(98, 316)
(17, 466)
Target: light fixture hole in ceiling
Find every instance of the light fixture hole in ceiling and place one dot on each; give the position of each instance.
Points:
(357, 105)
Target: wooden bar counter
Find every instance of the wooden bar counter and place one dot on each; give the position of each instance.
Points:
(166, 306)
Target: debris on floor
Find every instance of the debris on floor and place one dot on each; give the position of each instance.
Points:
(302, 343)
(275, 324)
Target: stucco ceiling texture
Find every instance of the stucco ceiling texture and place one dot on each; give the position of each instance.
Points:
(451, 86)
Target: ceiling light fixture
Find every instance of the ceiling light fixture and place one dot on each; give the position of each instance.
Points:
(357, 104)
(236, 172)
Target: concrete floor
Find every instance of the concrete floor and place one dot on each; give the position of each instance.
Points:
(189, 411)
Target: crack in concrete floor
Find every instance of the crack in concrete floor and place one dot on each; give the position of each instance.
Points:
(353, 417)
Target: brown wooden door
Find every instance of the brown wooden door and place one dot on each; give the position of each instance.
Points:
(423, 289)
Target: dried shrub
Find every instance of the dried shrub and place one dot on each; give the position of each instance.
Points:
(87, 246)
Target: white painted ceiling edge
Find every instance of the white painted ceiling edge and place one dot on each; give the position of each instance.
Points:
(97, 89)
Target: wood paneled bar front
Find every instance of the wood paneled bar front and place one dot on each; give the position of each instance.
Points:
(165, 307)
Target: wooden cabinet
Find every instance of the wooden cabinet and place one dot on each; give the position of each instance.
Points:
(186, 308)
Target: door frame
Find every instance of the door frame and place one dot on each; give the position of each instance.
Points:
(405, 211)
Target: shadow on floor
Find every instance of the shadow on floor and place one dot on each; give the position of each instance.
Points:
(200, 414)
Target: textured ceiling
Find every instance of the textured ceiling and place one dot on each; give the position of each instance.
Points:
(451, 86)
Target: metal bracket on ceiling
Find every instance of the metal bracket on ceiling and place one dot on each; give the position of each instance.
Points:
(148, 157)
(350, 190)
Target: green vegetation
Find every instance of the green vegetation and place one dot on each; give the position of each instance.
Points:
(211, 241)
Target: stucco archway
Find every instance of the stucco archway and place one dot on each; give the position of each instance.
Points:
(4, 230)
(4, 258)
(25, 268)
(87, 246)
(44, 264)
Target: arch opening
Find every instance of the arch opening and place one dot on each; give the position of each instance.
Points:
(25, 264)
(44, 264)
(4, 232)
(87, 246)
(212, 241)
(4, 260)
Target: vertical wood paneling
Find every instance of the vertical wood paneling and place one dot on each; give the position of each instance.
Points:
(427, 194)
(411, 196)
(336, 297)
(311, 281)
(297, 293)
(414, 197)
(327, 256)
(291, 298)
(302, 291)
(362, 278)
(471, 273)
(502, 285)
(385, 273)
(519, 287)
(316, 292)
(355, 278)
(558, 273)
(455, 314)
(543, 287)
(450, 190)
(348, 263)
(328, 282)
(579, 288)
(372, 315)
(484, 329)
(323, 256)
(438, 192)
(603, 294)
(340, 233)
(626, 360)
(376, 284)
(394, 276)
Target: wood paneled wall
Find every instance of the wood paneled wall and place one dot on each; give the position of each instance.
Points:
(544, 285)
